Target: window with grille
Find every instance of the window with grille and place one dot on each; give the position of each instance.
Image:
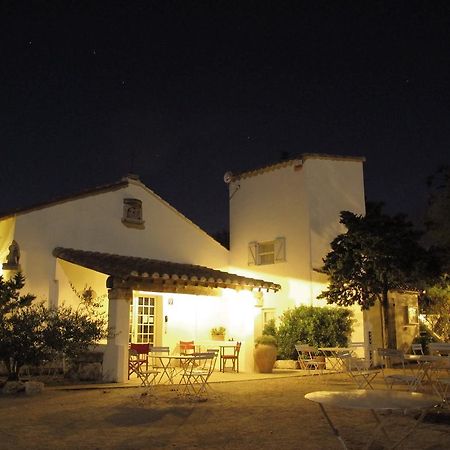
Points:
(268, 314)
(268, 252)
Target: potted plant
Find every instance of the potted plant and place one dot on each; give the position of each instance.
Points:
(265, 353)
(218, 333)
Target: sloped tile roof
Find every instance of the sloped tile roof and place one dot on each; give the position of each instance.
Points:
(296, 161)
(131, 268)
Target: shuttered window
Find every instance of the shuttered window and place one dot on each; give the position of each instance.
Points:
(268, 252)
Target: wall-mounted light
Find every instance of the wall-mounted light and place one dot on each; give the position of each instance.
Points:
(259, 299)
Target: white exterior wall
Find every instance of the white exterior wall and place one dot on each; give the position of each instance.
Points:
(93, 223)
(332, 186)
(191, 317)
(302, 204)
(6, 237)
(270, 205)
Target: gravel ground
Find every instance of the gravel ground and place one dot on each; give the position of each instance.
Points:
(260, 414)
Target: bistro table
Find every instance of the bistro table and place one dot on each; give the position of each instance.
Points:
(425, 366)
(382, 400)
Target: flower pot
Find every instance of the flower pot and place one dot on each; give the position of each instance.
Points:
(218, 337)
(265, 357)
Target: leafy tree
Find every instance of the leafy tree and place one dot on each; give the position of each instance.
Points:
(435, 300)
(10, 298)
(30, 333)
(438, 215)
(376, 254)
(435, 304)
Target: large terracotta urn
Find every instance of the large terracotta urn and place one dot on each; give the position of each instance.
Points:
(265, 355)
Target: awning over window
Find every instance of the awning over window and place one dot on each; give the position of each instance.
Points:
(145, 272)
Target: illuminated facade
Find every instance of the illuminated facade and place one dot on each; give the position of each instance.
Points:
(290, 211)
(282, 219)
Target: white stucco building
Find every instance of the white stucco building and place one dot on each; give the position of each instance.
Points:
(282, 220)
(164, 278)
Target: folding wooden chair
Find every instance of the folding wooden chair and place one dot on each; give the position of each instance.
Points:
(233, 357)
(137, 357)
(187, 347)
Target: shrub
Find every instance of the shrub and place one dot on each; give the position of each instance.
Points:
(316, 326)
(270, 328)
(266, 339)
(30, 333)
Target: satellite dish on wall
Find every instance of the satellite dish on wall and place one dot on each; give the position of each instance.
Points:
(228, 177)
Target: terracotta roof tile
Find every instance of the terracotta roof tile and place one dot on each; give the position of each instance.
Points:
(131, 268)
(295, 160)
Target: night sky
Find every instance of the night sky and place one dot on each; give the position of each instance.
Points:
(181, 92)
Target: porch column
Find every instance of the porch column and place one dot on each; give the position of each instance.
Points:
(115, 360)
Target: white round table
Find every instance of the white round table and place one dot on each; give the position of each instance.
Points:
(374, 400)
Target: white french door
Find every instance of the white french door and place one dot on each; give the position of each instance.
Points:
(145, 323)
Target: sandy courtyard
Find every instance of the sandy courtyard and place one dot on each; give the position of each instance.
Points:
(260, 414)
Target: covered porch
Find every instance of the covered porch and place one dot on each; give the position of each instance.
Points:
(162, 302)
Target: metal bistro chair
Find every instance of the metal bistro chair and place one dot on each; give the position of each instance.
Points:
(154, 354)
(389, 359)
(233, 357)
(417, 349)
(196, 376)
(442, 383)
(147, 376)
(358, 370)
(308, 357)
(137, 358)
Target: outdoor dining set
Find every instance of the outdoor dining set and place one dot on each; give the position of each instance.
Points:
(187, 369)
(425, 378)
